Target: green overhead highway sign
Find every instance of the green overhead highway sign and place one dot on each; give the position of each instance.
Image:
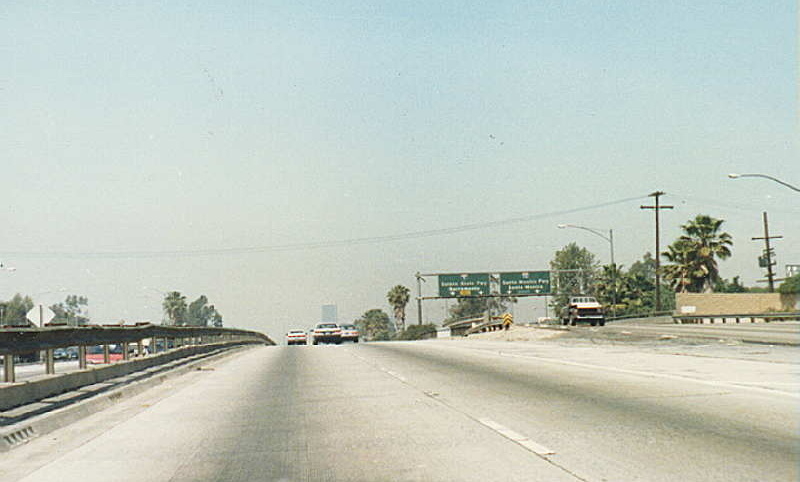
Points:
(525, 283)
(471, 284)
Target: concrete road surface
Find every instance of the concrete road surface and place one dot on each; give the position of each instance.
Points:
(779, 333)
(443, 410)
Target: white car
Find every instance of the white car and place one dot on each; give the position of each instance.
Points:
(296, 337)
(327, 333)
(350, 333)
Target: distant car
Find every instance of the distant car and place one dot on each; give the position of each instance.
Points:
(60, 354)
(326, 333)
(296, 337)
(350, 333)
(94, 354)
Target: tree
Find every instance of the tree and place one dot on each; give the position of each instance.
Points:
(175, 308)
(13, 312)
(635, 287)
(790, 286)
(72, 311)
(733, 286)
(375, 325)
(476, 307)
(198, 313)
(216, 318)
(574, 272)
(694, 255)
(398, 298)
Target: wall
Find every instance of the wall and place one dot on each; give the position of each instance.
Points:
(733, 303)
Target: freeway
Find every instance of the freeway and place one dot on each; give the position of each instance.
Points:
(445, 410)
(779, 333)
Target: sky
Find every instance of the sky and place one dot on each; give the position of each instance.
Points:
(278, 156)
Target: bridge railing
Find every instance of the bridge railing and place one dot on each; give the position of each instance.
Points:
(15, 341)
(681, 318)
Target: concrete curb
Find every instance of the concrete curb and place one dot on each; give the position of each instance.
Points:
(21, 433)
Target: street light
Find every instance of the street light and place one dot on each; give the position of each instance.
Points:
(734, 175)
(610, 239)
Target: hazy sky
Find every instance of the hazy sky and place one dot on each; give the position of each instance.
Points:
(144, 143)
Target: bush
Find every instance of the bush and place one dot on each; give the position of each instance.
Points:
(790, 286)
(417, 332)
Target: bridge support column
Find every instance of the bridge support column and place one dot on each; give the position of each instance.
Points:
(82, 357)
(49, 362)
(8, 369)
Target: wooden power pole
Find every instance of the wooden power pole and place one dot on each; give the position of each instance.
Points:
(656, 208)
(768, 252)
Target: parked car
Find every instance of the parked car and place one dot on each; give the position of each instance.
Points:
(94, 354)
(350, 333)
(61, 354)
(327, 333)
(296, 337)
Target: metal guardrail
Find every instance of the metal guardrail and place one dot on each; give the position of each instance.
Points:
(767, 317)
(495, 323)
(650, 314)
(19, 341)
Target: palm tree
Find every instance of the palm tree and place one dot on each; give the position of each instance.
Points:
(398, 297)
(694, 255)
(175, 307)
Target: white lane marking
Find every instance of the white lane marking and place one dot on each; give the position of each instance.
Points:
(517, 438)
(667, 376)
(396, 375)
(384, 370)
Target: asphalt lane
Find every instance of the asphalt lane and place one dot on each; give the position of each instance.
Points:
(784, 333)
(435, 411)
(285, 413)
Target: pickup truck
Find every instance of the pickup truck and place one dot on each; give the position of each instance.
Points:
(583, 309)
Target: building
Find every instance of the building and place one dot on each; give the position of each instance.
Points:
(329, 314)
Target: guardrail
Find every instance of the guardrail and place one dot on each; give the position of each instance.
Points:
(765, 317)
(649, 314)
(460, 327)
(20, 341)
(495, 323)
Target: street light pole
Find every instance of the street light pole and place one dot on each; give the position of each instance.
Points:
(734, 175)
(610, 239)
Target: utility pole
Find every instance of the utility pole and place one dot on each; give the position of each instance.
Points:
(768, 252)
(656, 208)
(419, 298)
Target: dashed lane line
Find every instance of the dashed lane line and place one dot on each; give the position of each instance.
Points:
(517, 438)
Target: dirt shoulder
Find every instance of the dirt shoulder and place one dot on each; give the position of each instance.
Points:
(522, 333)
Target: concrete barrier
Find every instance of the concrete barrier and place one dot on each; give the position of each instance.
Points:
(18, 434)
(30, 391)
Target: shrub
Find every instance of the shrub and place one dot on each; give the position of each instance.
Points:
(417, 332)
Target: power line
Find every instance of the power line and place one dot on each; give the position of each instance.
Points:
(310, 245)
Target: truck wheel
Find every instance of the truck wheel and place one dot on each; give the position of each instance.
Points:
(573, 321)
(593, 322)
(602, 322)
